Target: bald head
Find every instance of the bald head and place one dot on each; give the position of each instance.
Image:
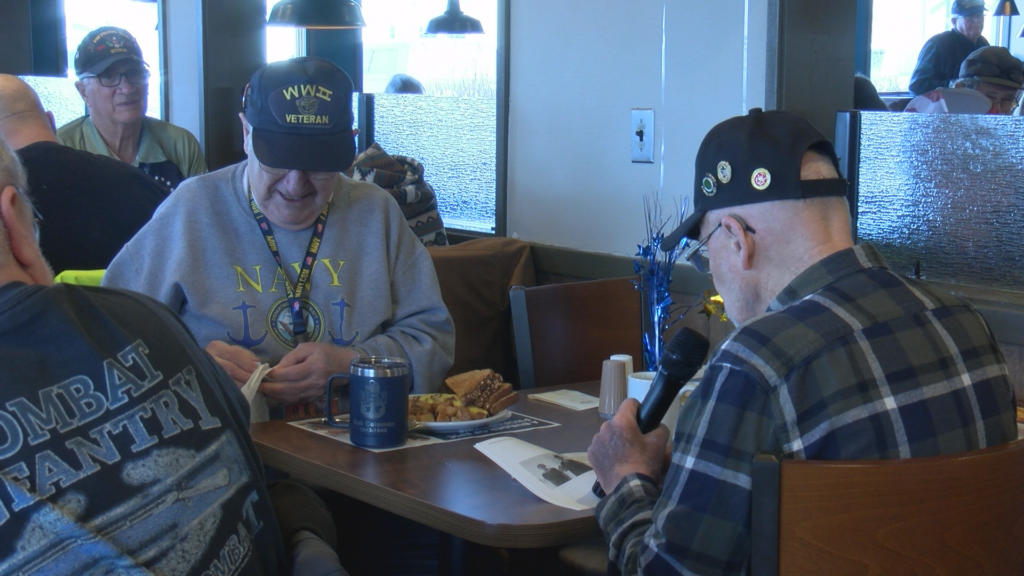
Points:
(23, 120)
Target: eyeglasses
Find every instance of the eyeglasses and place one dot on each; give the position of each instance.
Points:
(318, 176)
(39, 221)
(1001, 102)
(697, 255)
(37, 217)
(111, 78)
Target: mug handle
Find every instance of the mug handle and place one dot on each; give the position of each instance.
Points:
(328, 417)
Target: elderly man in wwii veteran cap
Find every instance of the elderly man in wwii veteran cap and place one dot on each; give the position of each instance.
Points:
(941, 56)
(113, 81)
(834, 357)
(281, 259)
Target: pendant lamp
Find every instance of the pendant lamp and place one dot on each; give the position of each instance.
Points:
(453, 21)
(319, 14)
(1005, 8)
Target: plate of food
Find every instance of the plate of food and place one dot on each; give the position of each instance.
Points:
(477, 398)
(445, 413)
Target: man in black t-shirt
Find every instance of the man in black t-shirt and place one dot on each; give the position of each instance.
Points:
(123, 446)
(91, 204)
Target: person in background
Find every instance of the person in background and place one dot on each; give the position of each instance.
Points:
(281, 259)
(404, 84)
(865, 96)
(402, 177)
(143, 461)
(991, 80)
(940, 58)
(997, 74)
(834, 357)
(113, 80)
(91, 204)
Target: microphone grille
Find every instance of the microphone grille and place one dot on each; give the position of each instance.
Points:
(685, 352)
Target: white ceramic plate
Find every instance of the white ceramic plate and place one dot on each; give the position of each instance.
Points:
(464, 425)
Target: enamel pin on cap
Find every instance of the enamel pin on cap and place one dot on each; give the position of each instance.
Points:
(724, 172)
(760, 179)
(708, 185)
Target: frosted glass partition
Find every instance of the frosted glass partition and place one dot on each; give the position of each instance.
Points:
(947, 191)
(58, 95)
(454, 139)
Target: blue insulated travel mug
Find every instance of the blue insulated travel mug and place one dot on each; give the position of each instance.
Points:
(378, 390)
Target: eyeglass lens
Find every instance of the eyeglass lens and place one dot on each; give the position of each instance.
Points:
(135, 77)
(309, 173)
(697, 255)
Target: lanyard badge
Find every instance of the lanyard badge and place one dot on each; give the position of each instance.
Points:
(296, 292)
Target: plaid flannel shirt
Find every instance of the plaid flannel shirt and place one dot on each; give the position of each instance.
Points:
(851, 361)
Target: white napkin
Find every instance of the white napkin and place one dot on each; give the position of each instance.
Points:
(258, 411)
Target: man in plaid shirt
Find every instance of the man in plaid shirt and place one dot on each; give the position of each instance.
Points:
(834, 357)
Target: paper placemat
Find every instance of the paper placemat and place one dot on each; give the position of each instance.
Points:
(561, 479)
(514, 423)
(571, 399)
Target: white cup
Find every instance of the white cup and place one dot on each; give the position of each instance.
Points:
(626, 359)
(637, 385)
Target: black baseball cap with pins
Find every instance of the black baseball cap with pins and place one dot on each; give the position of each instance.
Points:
(103, 47)
(300, 111)
(751, 159)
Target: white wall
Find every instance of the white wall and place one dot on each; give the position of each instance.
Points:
(577, 68)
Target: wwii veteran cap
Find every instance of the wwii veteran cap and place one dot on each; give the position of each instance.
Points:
(995, 65)
(300, 111)
(104, 46)
(751, 159)
(967, 7)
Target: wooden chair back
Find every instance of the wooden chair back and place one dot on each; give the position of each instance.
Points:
(563, 332)
(475, 277)
(956, 514)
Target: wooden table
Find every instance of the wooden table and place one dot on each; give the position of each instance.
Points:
(449, 486)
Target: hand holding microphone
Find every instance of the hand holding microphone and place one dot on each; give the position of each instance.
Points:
(681, 359)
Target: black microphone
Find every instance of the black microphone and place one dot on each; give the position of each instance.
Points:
(682, 358)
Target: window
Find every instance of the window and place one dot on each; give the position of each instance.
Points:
(283, 42)
(452, 128)
(899, 28)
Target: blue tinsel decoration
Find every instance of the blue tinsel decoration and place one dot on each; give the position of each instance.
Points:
(654, 268)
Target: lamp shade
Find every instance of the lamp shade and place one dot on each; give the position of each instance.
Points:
(316, 14)
(453, 21)
(1005, 8)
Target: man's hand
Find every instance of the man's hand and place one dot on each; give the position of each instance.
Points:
(619, 449)
(302, 374)
(239, 362)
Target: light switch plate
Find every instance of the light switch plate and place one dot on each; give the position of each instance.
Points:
(642, 141)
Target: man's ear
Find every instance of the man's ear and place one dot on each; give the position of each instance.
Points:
(740, 241)
(245, 132)
(81, 88)
(21, 237)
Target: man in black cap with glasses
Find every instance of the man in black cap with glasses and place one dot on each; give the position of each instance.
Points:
(113, 81)
(834, 356)
(941, 56)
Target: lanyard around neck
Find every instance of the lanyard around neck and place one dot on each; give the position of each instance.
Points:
(295, 292)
